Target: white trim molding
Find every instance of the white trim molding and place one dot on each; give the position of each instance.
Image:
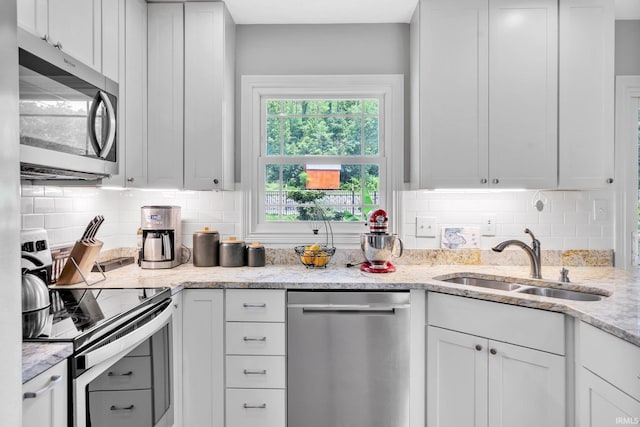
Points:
(626, 158)
(254, 88)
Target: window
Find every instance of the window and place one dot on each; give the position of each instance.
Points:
(318, 149)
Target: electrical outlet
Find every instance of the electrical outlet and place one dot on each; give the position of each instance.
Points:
(488, 225)
(600, 211)
(425, 226)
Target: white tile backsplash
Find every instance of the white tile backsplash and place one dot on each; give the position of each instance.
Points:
(566, 222)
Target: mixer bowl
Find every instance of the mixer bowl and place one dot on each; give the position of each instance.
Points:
(379, 248)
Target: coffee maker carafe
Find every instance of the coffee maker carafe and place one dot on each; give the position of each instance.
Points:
(161, 237)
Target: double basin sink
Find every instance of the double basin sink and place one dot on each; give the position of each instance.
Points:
(506, 284)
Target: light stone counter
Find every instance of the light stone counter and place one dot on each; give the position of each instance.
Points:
(38, 357)
(618, 314)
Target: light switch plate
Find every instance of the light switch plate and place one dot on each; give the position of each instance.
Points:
(425, 226)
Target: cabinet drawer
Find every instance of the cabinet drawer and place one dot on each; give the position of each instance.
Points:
(256, 338)
(49, 407)
(255, 408)
(120, 408)
(256, 371)
(542, 330)
(596, 350)
(255, 305)
(128, 373)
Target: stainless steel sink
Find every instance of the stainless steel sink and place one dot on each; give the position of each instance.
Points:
(561, 294)
(484, 283)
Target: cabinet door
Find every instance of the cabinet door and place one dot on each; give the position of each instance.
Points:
(587, 46)
(203, 358)
(49, 407)
(208, 97)
(456, 379)
(600, 404)
(523, 94)
(32, 16)
(76, 26)
(453, 93)
(526, 387)
(111, 38)
(166, 95)
(135, 99)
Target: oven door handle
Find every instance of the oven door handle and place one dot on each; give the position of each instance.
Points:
(129, 341)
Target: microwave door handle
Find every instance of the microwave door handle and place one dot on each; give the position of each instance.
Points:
(91, 123)
(103, 151)
(111, 135)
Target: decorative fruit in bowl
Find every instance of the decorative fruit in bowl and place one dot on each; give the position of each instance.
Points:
(314, 256)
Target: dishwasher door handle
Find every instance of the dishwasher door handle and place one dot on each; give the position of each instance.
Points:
(351, 309)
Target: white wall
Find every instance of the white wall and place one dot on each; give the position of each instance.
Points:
(65, 212)
(627, 53)
(566, 222)
(320, 49)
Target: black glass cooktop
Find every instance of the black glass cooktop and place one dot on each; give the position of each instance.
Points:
(82, 316)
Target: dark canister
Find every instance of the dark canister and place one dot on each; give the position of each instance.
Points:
(205, 248)
(233, 253)
(256, 255)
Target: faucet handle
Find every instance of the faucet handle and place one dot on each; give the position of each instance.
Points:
(564, 275)
(530, 233)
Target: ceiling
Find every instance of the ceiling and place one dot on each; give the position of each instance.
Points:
(350, 11)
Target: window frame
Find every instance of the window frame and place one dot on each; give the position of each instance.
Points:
(254, 89)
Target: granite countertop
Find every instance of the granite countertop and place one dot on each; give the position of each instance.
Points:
(618, 314)
(38, 357)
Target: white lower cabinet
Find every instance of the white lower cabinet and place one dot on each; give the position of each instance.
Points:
(203, 358)
(256, 358)
(603, 405)
(608, 379)
(256, 408)
(476, 379)
(44, 399)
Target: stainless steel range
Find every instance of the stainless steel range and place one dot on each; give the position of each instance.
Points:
(107, 327)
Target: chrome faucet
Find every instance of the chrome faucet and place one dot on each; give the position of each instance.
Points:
(533, 252)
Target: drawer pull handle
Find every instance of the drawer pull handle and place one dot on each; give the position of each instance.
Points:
(247, 406)
(262, 372)
(122, 408)
(248, 305)
(255, 338)
(53, 381)
(126, 374)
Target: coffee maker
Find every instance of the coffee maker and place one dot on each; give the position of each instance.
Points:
(161, 237)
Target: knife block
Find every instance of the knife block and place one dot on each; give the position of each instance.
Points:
(85, 254)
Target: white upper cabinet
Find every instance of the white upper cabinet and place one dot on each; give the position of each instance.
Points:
(587, 29)
(487, 85)
(208, 97)
(112, 11)
(165, 74)
(523, 93)
(453, 97)
(76, 27)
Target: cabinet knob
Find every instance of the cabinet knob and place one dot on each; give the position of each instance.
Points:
(609, 180)
(216, 181)
(58, 45)
(45, 38)
(493, 351)
(130, 179)
(483, 181)
(478, 347)
(495, 181)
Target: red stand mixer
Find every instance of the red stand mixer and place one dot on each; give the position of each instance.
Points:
(378, 246)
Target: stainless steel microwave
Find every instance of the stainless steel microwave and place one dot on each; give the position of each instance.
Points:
(68, 115)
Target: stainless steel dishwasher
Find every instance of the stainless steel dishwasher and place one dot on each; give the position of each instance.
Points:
(348, 359)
